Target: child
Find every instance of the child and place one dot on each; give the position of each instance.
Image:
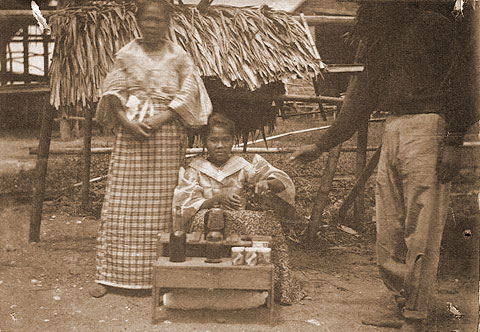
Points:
(221, 178)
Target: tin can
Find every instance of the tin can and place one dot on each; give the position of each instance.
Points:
(264, 256)
(260, 244)
(251, 256)
(238, 255)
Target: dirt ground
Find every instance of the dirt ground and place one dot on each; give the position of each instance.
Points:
(43, 286)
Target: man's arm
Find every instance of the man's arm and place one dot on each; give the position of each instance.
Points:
(358, 103)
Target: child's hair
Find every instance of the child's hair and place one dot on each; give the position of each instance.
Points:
(143, 5)
(222, 121)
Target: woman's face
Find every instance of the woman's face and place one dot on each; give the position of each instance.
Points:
(153, 23)
(219, 145)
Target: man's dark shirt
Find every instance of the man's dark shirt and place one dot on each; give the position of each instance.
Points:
(414, 70)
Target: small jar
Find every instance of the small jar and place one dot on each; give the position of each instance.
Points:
(251, 256)
(260, 244)
(238, 255)
(264, 256)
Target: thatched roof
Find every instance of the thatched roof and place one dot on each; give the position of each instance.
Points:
(245, 47)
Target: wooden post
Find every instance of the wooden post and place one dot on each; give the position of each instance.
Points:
(316, 87)
(26, 63)
(3, 62)
(333, 156)
(46, 39)
(41, 173)
(361, 160)
(87, 147)
(321, 198)
(360, 183)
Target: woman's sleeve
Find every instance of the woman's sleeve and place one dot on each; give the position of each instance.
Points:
(192, 102)
(263, 170)
(188, 194)
(115, 83)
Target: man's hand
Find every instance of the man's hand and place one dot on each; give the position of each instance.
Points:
(138, 129)
(307, 153)
(448, 163)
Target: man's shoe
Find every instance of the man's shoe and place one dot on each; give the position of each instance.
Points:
(384, 320)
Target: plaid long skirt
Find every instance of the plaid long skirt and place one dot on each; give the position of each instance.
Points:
(138, 205)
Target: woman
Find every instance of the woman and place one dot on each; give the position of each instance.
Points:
(222, 179)
(152, 93)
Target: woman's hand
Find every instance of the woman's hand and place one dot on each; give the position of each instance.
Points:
(262, 187)
(158, 120)
(139, 130)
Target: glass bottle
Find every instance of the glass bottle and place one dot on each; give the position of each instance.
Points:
(178, 237)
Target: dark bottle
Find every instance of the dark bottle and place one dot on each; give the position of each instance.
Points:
(178, 238)
(214, 238)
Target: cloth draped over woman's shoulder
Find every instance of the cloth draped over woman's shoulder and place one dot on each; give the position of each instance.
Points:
(140, 79)
(201, 180)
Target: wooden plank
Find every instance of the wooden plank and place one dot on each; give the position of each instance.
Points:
(195, 273)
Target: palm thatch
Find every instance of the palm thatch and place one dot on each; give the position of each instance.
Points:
(86, 40)
(243, 47)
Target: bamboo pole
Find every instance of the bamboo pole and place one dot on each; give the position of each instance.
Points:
(239, 149)
(87, 155)
(360, 183)
(41, 174)
(311, 99)
(327, 19)
(361, 160)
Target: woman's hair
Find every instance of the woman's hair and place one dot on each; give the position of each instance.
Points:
(222, 121)
(142, 6)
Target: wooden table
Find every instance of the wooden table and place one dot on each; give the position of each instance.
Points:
(195, 273)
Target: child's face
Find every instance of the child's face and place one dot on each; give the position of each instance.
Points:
(219, 145)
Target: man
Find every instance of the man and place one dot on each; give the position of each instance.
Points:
(413, 71)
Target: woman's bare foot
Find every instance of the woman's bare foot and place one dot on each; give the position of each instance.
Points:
(97, 290)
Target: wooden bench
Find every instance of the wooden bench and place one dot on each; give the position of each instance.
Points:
(194, 273)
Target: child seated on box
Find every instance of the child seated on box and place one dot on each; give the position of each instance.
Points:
(222, 178)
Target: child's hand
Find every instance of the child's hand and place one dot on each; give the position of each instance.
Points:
(230, 199)
(262, 187)
(269, 186)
